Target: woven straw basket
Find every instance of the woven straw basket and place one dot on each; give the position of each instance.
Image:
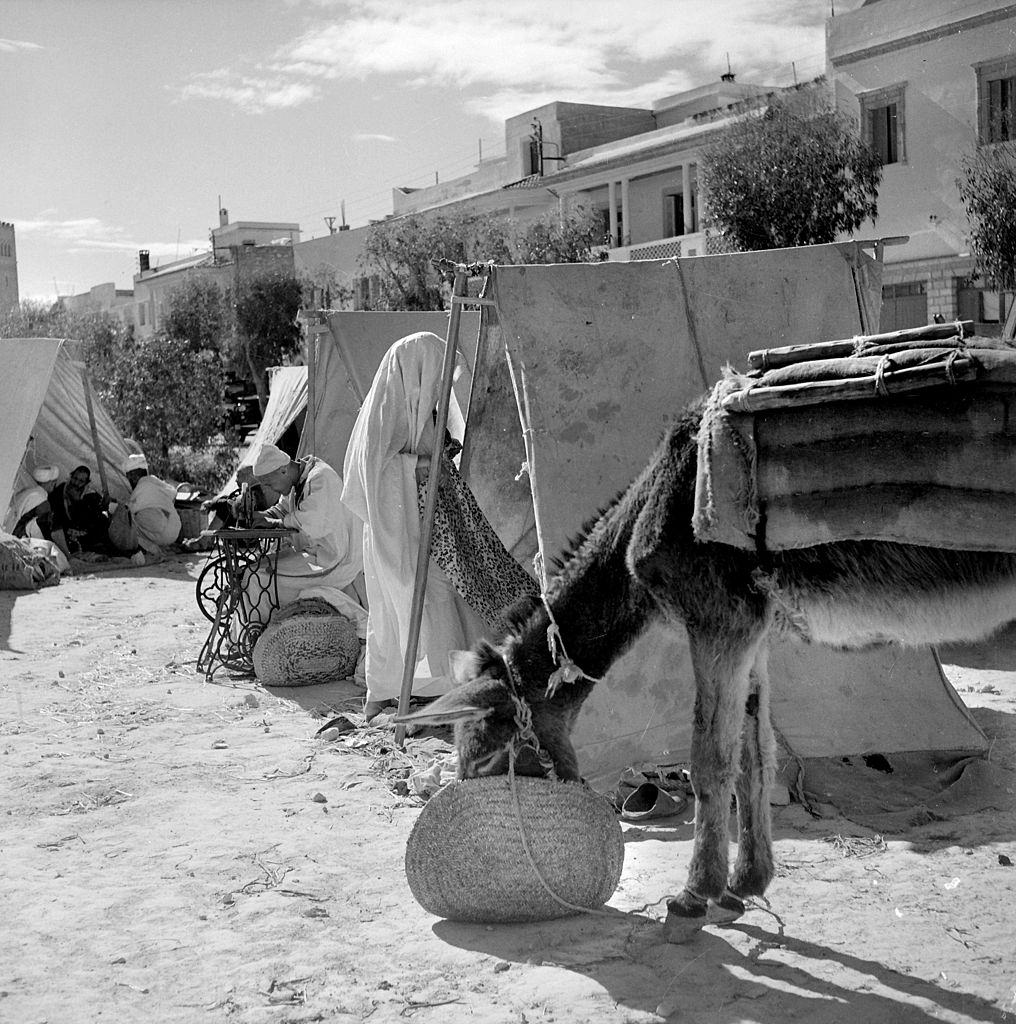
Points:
(465, 859)
(304, 649)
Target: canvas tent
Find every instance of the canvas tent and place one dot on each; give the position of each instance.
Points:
(611, 352)
(49, 414)
(345, 359)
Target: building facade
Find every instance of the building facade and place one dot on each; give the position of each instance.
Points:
(240, 251)
(8, 268)
(929, 81)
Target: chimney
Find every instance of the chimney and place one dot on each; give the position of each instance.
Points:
(143, 262)
(223, 217)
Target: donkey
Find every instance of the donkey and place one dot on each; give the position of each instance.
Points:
(639, 561)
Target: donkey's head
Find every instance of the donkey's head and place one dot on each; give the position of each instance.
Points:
(488, 715)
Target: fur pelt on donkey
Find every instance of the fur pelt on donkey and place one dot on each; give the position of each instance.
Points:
(640, 561)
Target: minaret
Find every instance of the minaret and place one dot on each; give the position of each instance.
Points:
(8, 268)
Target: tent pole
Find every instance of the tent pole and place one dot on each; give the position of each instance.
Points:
(486, 313)
(308, 422)
(359, 391)
(96, 445)
(459, 287)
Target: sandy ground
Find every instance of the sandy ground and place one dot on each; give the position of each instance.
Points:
(177, 850)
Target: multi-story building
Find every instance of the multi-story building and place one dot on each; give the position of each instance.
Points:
(239, 251)
(929, 81)
(8, 267)
(637, 167)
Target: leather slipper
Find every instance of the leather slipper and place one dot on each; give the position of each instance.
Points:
(649, 801)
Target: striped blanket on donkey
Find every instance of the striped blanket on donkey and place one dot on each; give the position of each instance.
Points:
(907, 437)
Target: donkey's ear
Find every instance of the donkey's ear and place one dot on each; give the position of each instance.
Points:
(461, 705)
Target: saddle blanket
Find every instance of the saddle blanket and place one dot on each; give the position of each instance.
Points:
(908, 438)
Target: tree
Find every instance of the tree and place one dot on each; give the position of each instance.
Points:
(398, 253)
(163, 395)
(988, 191)
(266, 329)
(198, 315)
(796, 173)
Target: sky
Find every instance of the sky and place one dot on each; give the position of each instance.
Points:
(125, 123)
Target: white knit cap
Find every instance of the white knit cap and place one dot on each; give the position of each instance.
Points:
(135, 461)
(45, 474)
(269, 459)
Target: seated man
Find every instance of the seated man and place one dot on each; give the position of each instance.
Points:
(80, 514)
(327, 549)
(148, 520)
(33, 523)
(33, 515)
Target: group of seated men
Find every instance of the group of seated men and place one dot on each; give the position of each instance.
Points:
(81, 522)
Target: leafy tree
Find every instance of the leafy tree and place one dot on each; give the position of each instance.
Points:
(568, 238)
(266, 328)
(796, 173)
(322, 289)
(398, 252)
(198, 314)
(164, 395)
(988, 191)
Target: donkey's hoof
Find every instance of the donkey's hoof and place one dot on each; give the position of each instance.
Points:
(725, 908)
(686, 914)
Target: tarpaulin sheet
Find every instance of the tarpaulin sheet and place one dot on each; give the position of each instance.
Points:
(612, 352)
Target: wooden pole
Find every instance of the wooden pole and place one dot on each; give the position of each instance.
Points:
(359, 391)
(93, 426)
(459, 287)
(308, 422)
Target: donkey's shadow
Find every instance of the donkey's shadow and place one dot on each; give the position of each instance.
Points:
(709, 980)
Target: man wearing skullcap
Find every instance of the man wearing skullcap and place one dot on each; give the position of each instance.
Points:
(148, 520)
(327, 548)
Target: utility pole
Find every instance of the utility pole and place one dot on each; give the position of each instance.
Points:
(330, 221)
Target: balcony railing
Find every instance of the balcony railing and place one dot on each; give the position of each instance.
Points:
(698, 243)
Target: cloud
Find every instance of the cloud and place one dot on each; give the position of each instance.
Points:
(91, 235)
(252, 94)
(17, 46)
(373, 137)
(580, 50)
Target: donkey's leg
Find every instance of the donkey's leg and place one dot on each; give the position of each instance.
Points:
(753, 870)
(722, 667)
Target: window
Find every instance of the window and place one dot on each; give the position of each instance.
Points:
(882, 123)
(996, 99)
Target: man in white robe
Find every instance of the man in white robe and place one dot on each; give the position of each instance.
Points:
(326, 552)
(147, 522)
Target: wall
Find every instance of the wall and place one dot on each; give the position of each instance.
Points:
(919, 42)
